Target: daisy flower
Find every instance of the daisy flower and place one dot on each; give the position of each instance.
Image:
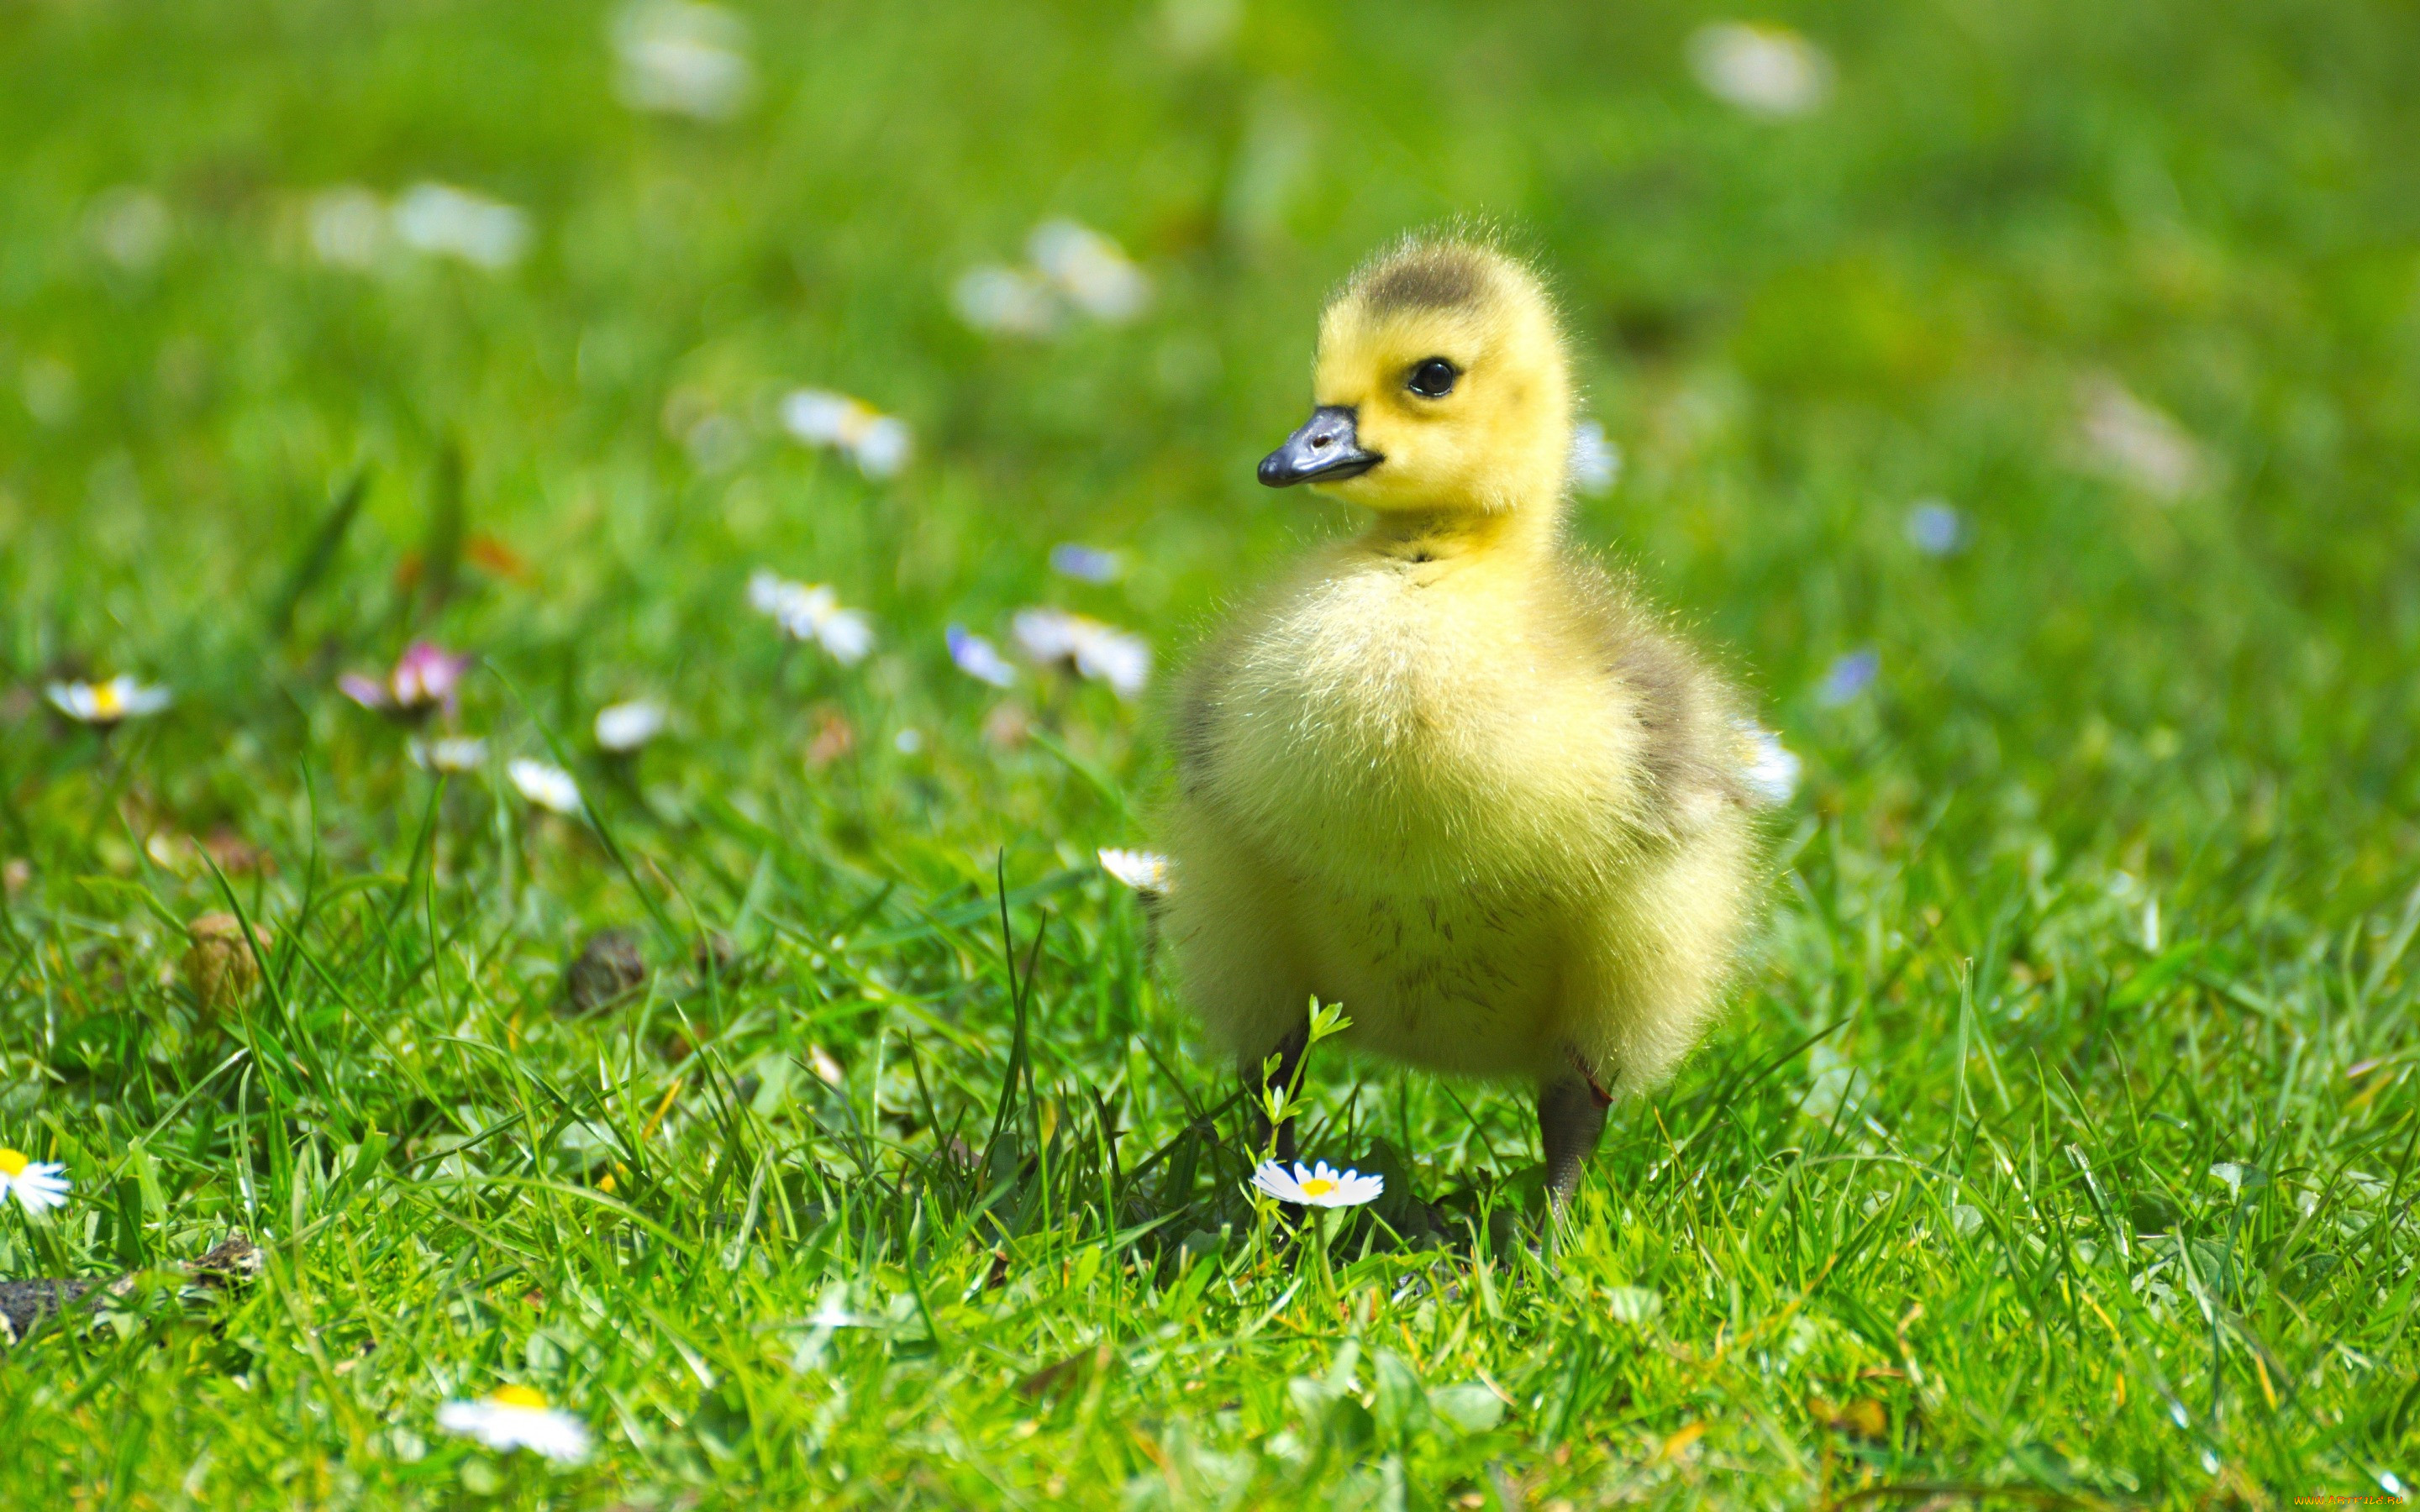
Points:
(811, 611)
(547, 786)
(454, 753)
(1319, 1186)
(683, 59)
(979, 658)
(39, 1185)
(445, 221)
(106, 703)
(1596, 462)
(1092, 271)
(425, 678)
(518, 1417)
(1006, 302)
(1764, 69)
(1145, 871)
(1772, 767)
(879, 443)
(1099, 651)
(622, 728)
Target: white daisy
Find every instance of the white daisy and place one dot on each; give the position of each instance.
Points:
(453, 753)
(516, 1417)
(446, 222)
(106, 703)
(1319, 1186)
(1145, 871)
(1003, 300)
(1764, 69)
(1093, 272)
(1772, 767)
(1596, 462)
(879, 443)
(683, 59)
(547, 786)
(2139, 443)
(626, 727)
(811, 611)
(347, 225)
(1112, 655)
(978, 657)
(37, 1185)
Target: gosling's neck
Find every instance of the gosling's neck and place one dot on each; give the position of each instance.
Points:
(1456, 533)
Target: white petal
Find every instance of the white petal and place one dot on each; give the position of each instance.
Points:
(848, 634)
(1772, 770)
(1145, 871)
(622, 727)
(1045, 634)
(882, 446)
(1273, 1178)
(547, 786)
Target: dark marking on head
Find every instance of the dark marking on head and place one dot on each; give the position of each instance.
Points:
(1426, 278)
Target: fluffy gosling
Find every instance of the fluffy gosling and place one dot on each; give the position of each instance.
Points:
(1451, 773)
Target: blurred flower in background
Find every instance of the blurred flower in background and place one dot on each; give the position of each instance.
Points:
(445, 221)
(811, 611)
(1935, 528)
(1763, 69)
(2137, 443)
(518, 1417)
(107, 704)
(1848, 676)
(1086, 563)
(1093, 272)
(347, 225)
(547, 786)
(622, 728)
(129, 226)
(1115, 656)
(425, 677)
(879, 443)
(1073, 267)
(454, 754)
(1596, 462)
(1005, 302)
(978, 657)
(1772, 770)
(683, 59)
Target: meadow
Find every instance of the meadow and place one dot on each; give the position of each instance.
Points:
(2024, 399)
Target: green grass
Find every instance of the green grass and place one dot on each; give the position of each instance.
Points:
(2105, 887)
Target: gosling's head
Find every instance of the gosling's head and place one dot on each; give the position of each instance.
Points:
(1441, 386)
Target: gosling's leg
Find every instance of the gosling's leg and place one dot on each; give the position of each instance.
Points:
(1289, 1053)
(1570, 1119)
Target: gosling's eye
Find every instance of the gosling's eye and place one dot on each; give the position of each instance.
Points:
(1434, 378)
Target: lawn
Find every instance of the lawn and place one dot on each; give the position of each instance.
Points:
(2024, 399)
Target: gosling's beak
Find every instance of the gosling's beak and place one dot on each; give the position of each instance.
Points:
(1322, 451)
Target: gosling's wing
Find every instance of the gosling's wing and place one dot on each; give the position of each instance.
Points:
(1693, 759)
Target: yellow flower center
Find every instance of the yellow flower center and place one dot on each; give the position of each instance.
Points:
(518, 1396)
(1318, 1186)
(12, 1163)
(106, 705)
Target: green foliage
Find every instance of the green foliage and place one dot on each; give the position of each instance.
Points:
(2060, 1137)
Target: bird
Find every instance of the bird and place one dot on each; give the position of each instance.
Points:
(1453, 773)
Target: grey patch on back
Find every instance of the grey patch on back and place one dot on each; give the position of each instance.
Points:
(1682, 707)
(1430, 278)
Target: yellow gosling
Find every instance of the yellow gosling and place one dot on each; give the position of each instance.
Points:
(1450, 773)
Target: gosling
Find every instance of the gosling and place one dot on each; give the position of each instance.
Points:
(1451, 773)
